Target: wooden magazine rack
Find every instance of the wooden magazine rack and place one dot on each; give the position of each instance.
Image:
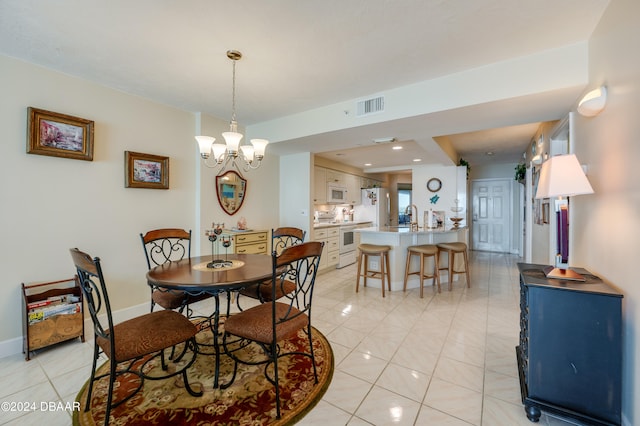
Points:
(52, 312)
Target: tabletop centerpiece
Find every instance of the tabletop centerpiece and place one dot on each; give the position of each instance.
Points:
(213, 234)
(456, 219)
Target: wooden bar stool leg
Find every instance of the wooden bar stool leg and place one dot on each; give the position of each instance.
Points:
(422, 275)
(359, 270)
(451, 256)
(386, 256)
(406, 271)
(366, 268)
(436, 270)
(466, 268)
(382, 273)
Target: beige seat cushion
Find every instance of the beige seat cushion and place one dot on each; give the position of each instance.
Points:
(430, 249)
(453, 246)
(373, 248)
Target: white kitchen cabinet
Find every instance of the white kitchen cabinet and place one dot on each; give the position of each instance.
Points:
(331, 250)
(353, 189)
(319, 185)
(336, 177)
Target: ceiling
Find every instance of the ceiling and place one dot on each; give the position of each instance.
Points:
(299, 55)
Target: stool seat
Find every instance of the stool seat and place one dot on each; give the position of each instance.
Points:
(366, 250)
(453, 246)
(452, 249)
(424, 251)
(373, 248)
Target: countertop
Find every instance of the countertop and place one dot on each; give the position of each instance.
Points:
(349, 223)
(407, 230)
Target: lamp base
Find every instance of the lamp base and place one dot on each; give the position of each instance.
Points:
(563, 274)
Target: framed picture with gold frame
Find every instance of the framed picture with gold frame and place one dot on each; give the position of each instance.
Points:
(59, 135)
(145, 171)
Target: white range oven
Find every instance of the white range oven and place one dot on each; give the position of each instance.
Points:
(347, 246)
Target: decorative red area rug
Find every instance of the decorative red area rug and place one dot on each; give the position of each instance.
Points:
(250, 400)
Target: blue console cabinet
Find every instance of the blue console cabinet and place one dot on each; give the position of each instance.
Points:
(570, 350)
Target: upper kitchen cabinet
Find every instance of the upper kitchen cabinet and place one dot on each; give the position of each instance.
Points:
(319, 185)
(335, 177)
(352, 182)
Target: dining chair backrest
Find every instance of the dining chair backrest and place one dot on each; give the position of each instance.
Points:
(95, 293)
(284, 237)
(298, 264)
(166, 245)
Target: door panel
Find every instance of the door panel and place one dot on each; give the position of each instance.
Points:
(491, 215)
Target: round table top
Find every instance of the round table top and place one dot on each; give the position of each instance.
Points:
(192, 274)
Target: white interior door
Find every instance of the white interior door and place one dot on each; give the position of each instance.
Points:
(491, 215)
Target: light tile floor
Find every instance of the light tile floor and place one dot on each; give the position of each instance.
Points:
(447, 359)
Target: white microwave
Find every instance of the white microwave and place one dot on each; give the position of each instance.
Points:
(336, 193)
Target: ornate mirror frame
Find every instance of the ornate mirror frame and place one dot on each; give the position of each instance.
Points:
(231, 188)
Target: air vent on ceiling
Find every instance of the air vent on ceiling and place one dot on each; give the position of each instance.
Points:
(370, 106)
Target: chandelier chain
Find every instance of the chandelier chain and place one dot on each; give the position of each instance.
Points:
(233, 94)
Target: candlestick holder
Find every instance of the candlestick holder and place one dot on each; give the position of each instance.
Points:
(212, 234)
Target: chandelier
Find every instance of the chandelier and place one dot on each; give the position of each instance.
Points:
(231, 150)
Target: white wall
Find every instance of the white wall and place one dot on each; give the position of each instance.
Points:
(421, 196)
(52, 204)
(296, 207)
(606, 225)
(260, 208)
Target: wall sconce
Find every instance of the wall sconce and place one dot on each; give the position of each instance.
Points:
(593, 102)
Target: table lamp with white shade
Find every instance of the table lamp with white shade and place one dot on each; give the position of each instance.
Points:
(562, 176)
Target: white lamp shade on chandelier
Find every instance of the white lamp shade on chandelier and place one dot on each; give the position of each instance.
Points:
(251, 155)
(562, 175)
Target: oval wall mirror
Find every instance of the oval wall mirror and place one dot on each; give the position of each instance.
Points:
(230, 188)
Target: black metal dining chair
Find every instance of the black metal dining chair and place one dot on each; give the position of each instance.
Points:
(271, 323)
(132, 340)
(168, 245)
(281, 238)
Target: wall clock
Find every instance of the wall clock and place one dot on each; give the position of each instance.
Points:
(434, 184)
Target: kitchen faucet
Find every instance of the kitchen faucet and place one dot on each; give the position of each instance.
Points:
(413, 224)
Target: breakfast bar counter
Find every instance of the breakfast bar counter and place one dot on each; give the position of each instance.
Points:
(400, 238)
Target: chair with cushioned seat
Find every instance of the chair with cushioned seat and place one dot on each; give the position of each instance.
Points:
(423, 252)
(270, 323)
(281, 238)
(366, 250)
(452, 249)
(132, 340)
(168, 245)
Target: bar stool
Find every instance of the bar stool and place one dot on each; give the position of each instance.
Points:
(452, 249)
(424, 251)
(366, 250)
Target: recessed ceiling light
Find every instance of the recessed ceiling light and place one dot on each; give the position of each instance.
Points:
(367, 164)
(415, 160)
(489, 153)
(396, 147)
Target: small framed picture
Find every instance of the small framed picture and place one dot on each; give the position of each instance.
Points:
(59, 135)
(145, 171)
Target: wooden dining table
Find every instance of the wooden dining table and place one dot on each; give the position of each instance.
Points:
(206, 275)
